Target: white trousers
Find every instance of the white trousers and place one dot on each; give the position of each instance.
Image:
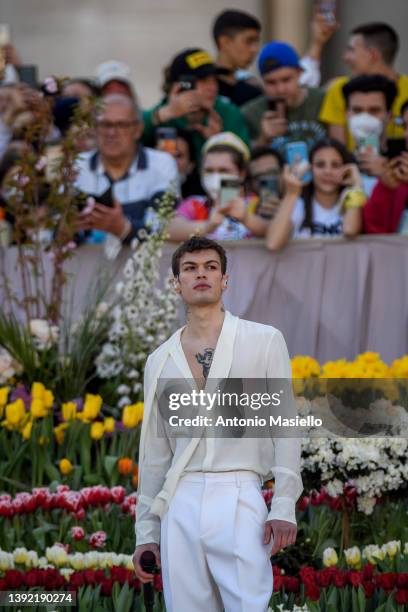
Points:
(212, 552)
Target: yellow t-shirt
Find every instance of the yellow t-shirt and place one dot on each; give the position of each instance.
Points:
(334, 107)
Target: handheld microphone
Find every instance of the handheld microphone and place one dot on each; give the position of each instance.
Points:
(148, 565)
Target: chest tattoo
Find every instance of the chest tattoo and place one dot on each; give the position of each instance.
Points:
(205, 359)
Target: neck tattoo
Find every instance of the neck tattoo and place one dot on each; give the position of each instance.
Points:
(205, 359)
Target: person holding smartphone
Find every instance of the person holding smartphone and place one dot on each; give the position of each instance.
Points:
(287, 112)
(369, 100)
(329, 206)
(387, 209)
(192, 102)
(225, 212)
(265, 179)
(131, 177)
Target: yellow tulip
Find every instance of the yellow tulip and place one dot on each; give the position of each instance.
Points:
(97, 430)
(92, 406)
(109, 424)
(37, 390)
(48, 398)
(353, 556)
(38, 409)
(20, 556)
(65, 466)
(26, 431)
(132, 415)
(392, 548)
(15, 414)
(330, 557)
(69, 411)
(59, 432)
(4, 391)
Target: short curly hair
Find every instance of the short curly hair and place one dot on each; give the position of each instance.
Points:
(197, 243)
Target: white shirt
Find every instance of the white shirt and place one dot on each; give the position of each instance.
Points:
(327, 222)
(251, 350)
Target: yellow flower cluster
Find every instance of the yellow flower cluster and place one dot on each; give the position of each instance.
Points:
(16, 417)
(304, 367)
(132, 415)
(42, 400)
(366, 365)
(91, 409)
(399, 367)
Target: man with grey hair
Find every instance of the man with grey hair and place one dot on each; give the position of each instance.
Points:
(126, 176)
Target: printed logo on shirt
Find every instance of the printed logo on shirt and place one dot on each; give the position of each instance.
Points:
(333, 229)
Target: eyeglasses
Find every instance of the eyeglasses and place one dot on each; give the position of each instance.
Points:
(117, 125)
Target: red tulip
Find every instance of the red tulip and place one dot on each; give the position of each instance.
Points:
(369, 589)
(402, 580)
(14, 579)
(312, 592)
(368, 571)
(77, 533)
(385, 581)
(339, 578)
(277, 583)
(117, 494)
(76, 580)
(157, 583)
(106, 588)
(303, 503)
(291, 584)
(355, 578)
(401, 597)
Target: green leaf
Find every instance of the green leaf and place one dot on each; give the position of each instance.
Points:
(109, 463)
(361, 599)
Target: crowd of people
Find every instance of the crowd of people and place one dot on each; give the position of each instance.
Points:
(274, 155)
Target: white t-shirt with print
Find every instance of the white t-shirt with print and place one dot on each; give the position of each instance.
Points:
(327, 222)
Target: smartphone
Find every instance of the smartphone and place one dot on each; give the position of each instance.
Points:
(269, 187)
(328, 8)
(105, 198)
(187, 82)
(297, 154)
(278, 105)
(28, 74)
(395, 146)
(372, 141)
(230, 189)
(166, 138)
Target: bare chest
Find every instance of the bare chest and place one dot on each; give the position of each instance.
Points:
(199, 358)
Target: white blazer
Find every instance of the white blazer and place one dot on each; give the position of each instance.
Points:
(244, 350)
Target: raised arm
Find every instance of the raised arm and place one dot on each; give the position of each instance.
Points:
(280, 228)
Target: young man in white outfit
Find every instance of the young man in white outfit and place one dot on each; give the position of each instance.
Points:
(200, 508)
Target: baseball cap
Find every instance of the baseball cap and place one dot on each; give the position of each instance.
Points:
(277, 54)
(112, 70)
(230, 140)
(196, 62)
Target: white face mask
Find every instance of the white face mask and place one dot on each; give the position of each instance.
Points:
(211, 182)
(363, 125)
